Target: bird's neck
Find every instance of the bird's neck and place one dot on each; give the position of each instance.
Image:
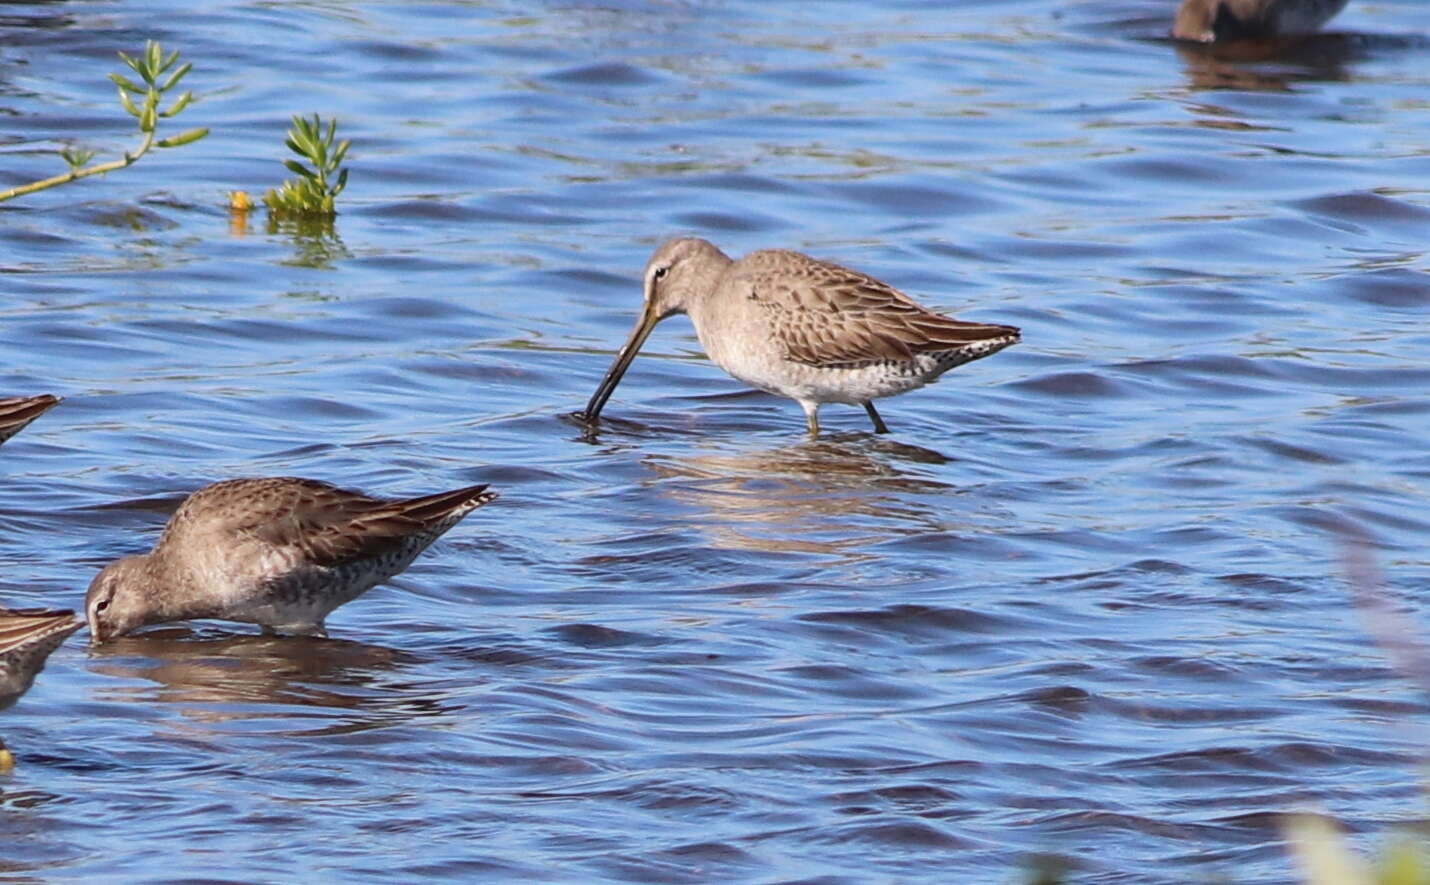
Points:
(701, 283)
(175, 591)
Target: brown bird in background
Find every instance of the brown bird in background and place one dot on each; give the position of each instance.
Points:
(17, 411)
(1206, 21)
(27, 636)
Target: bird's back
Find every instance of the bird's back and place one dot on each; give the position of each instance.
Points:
(825, 314)
(309, 521)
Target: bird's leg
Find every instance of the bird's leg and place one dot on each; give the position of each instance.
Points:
(811, 417)
(879, 425)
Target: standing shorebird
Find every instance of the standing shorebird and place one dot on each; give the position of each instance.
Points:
(799, 327)
(27, 636)
(1207, 21)
(17, 411)
(280, 552)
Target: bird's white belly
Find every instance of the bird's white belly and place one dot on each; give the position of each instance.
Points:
(777, 375)
(274, 588)
(748, 350)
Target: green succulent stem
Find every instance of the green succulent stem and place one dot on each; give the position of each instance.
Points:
(149, 65)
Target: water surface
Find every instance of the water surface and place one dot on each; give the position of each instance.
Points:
(1087, 599)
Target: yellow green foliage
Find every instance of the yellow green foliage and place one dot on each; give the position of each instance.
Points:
(314, 192)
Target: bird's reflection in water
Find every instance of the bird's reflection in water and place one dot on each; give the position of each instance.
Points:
(295, 680)
(833, 495)
(1276, 65)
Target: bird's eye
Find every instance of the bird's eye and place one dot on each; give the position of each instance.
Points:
(102, 605)
(660, 272)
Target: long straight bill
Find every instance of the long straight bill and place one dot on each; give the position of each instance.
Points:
(644, 324)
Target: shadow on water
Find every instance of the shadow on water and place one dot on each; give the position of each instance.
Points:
(613, 432)
(1254, 64)
(830, 495)
(1277, 65)
(32, 22)
(761, 413)
(315, 241)
(224, 674)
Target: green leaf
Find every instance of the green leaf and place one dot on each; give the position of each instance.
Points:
(1403, 864)
(178, 75)
(300, 142)
(189, 137)
(1324, 856)
(181, 103)
(76, 158)
(152, 58)
(128, 103)
(296, 148)
(148, 118)
(124, 82)
(342, 182)
(299, 168)
(169, 62)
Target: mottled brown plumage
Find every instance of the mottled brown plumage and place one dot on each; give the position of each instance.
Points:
(799, 327)
(1208, 20)
(823, 314)
(17, 411)
(27, 636)
(279, 552)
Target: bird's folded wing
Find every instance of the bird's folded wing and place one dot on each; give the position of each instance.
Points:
(841, 316)
(18, 627)
(331, 525)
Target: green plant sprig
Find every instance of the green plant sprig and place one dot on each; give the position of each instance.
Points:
(314, 192)
(142, 102)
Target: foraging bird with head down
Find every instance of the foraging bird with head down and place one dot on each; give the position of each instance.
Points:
(1206, 21)
(280, 552)
(799, 327)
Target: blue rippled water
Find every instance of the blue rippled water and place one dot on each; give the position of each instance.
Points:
(1089, 599)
